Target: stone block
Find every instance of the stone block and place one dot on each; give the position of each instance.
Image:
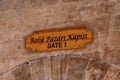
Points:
(76, 68)
(22, 73)
(67, 67)
(112, 73)
(22, 4)
(117, 77)
(69, 0)
(13, 49)
(109, 40)
(38, 70)
(96, 70)
(7, 76)
(112, 56)
(114, 40)
(58, 68)
(116, 22)
(102, 43)
(117, 8)
(102, 23)
(49, 2)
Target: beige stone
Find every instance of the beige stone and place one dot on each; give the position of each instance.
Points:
(76, 72)
(97, 61)
(112, 73)
(96, 70)
(8, 76)
(112, 56)
(109, 40)
(22, 73)
(69, 0)
(67, 67)
(116, 23)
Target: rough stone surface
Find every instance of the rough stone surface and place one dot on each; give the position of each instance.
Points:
(115, 56)
(116, 23)
(96, 70)
(99, 60)
(112, 74)
(67, 67)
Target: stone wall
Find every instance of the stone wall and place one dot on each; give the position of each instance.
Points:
(19, 18)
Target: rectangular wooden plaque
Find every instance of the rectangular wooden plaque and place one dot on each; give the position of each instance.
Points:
(58, 39)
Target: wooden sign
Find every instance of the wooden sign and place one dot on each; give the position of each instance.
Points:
(58, 39)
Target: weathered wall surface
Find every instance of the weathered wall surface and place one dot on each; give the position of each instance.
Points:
(19, 18)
